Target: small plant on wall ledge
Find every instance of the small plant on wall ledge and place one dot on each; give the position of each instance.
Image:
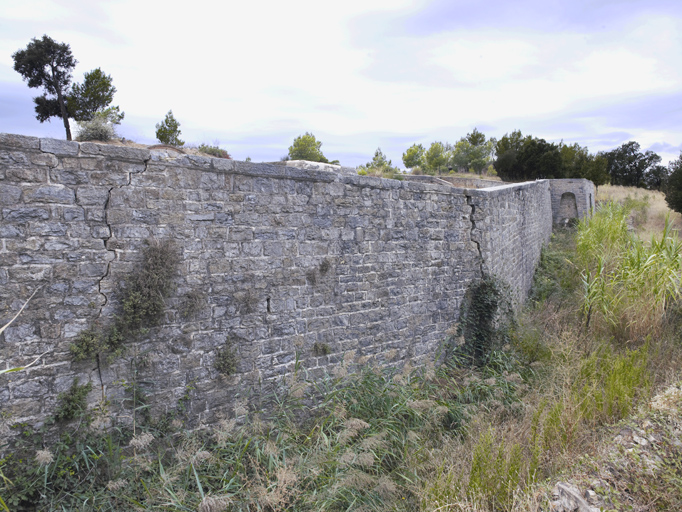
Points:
(142, 303)
(226, 360)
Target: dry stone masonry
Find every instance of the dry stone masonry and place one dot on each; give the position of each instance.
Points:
(282, 261)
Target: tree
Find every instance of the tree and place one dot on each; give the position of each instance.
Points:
(93, 96)
(473, 152)
(656, 177)
(475, 138)
(673, 187)
(510, 142)
(414, 156)
(534, 159)
(379, 165)
(47, 64)
(168, 131)
(307, 147)
(579, 163)
(628, 166)
(436, 157)
(595, 169)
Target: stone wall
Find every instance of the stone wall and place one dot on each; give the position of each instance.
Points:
(578, 198)
(282, 258)
(511, 224)
(455, 181)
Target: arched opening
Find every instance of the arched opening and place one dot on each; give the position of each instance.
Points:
(568, 208)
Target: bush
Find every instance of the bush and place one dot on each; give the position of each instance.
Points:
(307, 147)
(214, 151)
(673, 190)
(72, 403)
(142, 303)
(96, 129)
(485, 316)
(226, 360)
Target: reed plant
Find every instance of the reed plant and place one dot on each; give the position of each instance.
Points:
(628, 284)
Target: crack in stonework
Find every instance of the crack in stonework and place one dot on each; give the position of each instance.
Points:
(106, 239)
(470, 202)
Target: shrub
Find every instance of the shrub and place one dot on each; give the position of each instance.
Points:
(72, 403)
(307, 147)
(98, 128)
(214, 151)
(168, 131)
(142, 302)
(226, 360)
(485, 316)
(673, 189)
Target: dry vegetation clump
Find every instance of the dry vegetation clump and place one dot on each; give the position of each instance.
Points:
(648, 208)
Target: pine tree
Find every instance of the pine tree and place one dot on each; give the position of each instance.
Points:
(168, 131)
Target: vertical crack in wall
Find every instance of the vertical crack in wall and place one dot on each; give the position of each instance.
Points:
(472, 235)
(108, 269)
(106, 239)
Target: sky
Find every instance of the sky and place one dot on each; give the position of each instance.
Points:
(362, 74)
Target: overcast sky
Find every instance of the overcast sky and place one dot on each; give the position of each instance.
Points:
(362, 74)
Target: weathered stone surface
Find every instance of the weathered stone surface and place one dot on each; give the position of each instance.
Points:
(49, 194)
(280, 258)
(24, 214)
(19, 141)
(59, 147)
(9, 194)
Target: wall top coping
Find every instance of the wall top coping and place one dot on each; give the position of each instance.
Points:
(161, 156)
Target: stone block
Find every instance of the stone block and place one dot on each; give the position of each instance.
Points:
(26, 174)
(24, 214)
(10, 140)
(49, 194)
(59, 147)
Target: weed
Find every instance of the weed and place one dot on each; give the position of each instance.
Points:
(214, 151)
(73, 403)
(325, 265)
(226, 360)
(627, 285)
(194, 302)
(321, 349)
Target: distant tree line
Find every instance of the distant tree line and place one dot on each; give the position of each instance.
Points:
(515, 157)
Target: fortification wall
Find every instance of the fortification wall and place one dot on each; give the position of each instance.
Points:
(511, 224)
(571, 199)
(283, 258)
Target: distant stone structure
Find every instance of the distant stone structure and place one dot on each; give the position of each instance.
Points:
(285, 258)
(571, 199)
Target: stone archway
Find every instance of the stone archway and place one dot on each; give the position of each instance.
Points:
(568, 208)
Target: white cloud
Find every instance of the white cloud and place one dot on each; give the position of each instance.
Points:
(238, 71)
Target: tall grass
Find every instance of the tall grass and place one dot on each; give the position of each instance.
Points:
(605, 358)
(628, 285)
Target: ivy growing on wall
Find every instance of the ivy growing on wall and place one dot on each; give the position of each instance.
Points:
(142, 303)
(486, 316)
